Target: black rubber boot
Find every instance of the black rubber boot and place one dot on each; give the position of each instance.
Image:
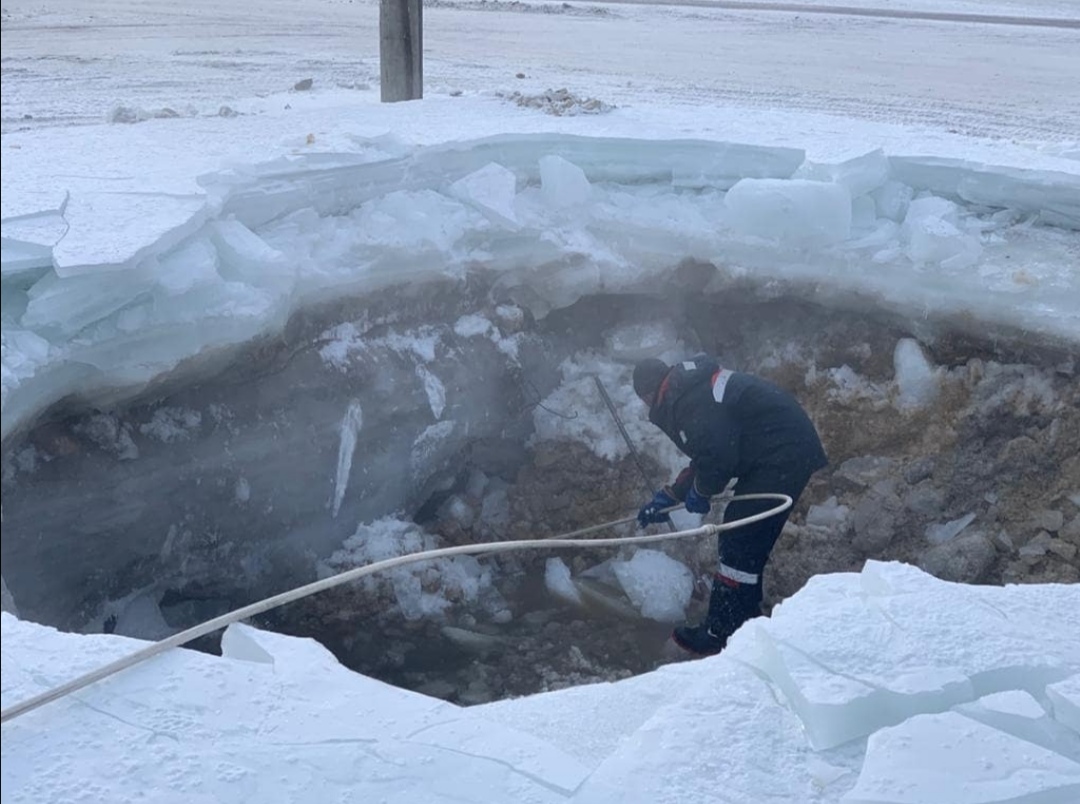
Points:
(699, 639)
(729, 607)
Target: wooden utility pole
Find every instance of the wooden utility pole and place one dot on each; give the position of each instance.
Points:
(401, 50)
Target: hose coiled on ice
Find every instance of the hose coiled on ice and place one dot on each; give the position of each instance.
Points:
(262, 606)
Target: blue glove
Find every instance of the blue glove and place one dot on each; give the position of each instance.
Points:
(652, 512)
(697, 503)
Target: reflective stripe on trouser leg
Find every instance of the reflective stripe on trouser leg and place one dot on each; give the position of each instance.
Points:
(749, 546)
(732, 576)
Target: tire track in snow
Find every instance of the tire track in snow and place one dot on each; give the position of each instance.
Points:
(852, 11)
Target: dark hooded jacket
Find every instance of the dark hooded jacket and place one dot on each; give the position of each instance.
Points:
(732, 424)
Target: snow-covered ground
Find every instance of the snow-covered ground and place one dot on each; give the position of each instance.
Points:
(76, 62)
(885, 687)
(168, 192)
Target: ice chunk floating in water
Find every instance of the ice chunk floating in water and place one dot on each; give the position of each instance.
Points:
(657, 585)
(558, 581)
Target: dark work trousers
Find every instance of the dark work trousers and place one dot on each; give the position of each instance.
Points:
(745, 550)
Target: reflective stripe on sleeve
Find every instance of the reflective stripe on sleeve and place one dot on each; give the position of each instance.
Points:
(720, 381)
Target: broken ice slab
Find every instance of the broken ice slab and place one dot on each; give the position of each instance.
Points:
(939, 533)
(860, 175)
(949, 757)
(755, 747)
(882, 239)
(246, 257)
(1054, 196)
(892, 199)
(40, 228)
(932, 235)
(67, 305)
(917, 652)
(192, 263)
(23, 352)
(139, 614)
(23, 262)
(1065, 698)
(149, 338)
(238, 643)
(416, 221)
(828, 514)
(336, 189)
(559, 583)
(659, 586)
(567, 717)
(492, 190)
(477, 740)
(563, 184)
(836, 707)
(685, 163)
(28, 240)
(392, 222)
(7, 602)
(864, 215)
(28, 203)
(299, 691)
(1016, 712)
(796, 211)
(137, 224)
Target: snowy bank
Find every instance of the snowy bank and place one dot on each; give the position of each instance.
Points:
(105, 292)
(883, 686)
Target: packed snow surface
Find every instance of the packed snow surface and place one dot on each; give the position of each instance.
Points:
(883, 686)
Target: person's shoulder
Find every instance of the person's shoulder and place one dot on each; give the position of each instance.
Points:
(699, 362)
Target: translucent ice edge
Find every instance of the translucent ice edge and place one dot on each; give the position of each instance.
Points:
(105, 292)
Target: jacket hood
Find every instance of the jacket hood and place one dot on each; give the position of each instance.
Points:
(680, 380)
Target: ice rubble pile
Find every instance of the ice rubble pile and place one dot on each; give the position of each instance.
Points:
(108, 291)
(884, 687)
(423, 589)
(655, 585)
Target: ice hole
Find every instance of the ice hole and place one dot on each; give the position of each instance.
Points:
(457, 414)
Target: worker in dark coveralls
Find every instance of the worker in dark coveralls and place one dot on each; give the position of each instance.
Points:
(730, 425)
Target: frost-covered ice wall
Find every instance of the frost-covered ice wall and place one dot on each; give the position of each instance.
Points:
(106, 292)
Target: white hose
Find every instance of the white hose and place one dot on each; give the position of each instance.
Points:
(299, 592)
